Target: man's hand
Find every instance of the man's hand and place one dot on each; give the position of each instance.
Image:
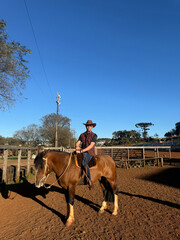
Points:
(78, 149)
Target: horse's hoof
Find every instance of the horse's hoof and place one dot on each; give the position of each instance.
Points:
(101, 211)
(115, 213)
(69, 222)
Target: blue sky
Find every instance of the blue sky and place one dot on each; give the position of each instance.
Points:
(116, 62)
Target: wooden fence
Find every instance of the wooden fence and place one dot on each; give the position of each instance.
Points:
(131, 155)
(14, 170)
(123, 156)
(127, 156)
(140, 162)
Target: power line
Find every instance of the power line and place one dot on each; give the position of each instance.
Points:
(41, 60)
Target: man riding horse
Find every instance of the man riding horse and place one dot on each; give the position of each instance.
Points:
(68, 174)
(88, 140)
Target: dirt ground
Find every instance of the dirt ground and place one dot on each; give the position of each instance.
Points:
(149, 208)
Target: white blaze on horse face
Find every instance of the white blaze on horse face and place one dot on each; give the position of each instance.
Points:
(39, 183)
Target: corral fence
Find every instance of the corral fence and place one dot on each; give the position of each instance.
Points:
(20, 164)
(15, 162)
(127, 156)
(137, 156)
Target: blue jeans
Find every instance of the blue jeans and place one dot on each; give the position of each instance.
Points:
(87, 159)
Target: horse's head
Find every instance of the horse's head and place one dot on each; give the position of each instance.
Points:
(42, 169)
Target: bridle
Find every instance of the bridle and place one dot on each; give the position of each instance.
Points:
(61, 175)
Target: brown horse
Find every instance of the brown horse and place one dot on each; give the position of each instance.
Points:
(68, 175)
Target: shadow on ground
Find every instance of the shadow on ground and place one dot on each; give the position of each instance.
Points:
(169, 177)
(28, 190)
(167, 203)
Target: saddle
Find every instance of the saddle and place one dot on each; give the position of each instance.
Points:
(78, 160)
(92, 164)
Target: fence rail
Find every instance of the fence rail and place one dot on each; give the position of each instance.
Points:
(118, 153)
(121, 155)
(7, 172)
(136, 155)
(140, 162)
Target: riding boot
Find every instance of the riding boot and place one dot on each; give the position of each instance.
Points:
(91, 185)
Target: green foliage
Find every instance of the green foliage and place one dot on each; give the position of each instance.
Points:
(177, 129)
(125, 137)
(9, 141)
(174, 132)
(144, 126)
(13, 70)
(48, 129)
(33, 135)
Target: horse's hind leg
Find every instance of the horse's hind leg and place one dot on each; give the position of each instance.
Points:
(104, 203)
(109, 194)
(114, 188)
(115, 204)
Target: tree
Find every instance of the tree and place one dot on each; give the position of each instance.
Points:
(2, 140)
(48, 129)
(156, 135)
(125, 137)
(177, 129)
(144, 127)
(13, 70)
(29, 135)
(170, 133)
(174, 132)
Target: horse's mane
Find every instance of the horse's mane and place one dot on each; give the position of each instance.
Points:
(38, 161)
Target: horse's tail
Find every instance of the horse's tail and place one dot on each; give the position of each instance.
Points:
(109, 196)
(108, 192)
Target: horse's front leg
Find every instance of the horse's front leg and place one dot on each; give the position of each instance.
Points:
(70, 207)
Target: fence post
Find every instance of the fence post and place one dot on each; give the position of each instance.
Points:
(18, 166)
(143, 153)
(95, 151)
(162, 162)
(157, 153)
(112, 153)
(170, 156)
(158, 162)
(128, 153)
(154, 162)
(28, 162)
(126, 164)
(5, 159)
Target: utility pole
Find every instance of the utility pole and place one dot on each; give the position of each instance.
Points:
(58, 103)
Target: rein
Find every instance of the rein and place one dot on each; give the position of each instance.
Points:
(62, 174)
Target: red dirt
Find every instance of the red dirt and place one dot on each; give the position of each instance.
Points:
(149, 203)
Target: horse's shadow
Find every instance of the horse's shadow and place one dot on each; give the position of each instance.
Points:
(167, 203)
(28, 190)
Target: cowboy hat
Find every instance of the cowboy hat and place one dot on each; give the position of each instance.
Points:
(89, 122)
